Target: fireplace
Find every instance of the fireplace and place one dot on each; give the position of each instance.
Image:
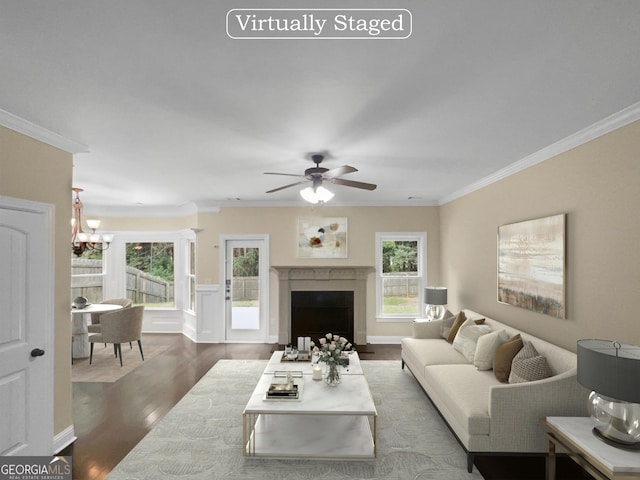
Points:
(316, 313)
(323, 280)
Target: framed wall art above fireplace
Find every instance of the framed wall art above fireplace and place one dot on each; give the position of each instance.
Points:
(322, 237)
(531, 265)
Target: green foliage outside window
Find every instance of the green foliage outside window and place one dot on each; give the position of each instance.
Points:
(400, 257)
(246, 262)
(154, 258)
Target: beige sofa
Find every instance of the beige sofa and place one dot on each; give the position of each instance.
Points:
(486, 415)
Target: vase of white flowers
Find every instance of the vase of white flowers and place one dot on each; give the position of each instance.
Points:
(329, 352)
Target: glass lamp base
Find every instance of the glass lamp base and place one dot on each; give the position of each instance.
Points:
(435, 312)
(615, 422)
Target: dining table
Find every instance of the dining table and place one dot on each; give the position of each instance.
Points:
(80, 319)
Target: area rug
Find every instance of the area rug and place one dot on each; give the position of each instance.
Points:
(201, 437)
(106, 367)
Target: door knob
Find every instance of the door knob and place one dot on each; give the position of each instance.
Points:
(37, 352)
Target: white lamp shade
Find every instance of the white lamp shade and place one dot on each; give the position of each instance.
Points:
(323, 194)
(320, 194)
(309, 195)
(93, 224)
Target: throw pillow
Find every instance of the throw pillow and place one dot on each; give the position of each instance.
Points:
(467, 338)
(528, 365)
(447, 323)
(457, 323)
(486, 349)
(504, 356)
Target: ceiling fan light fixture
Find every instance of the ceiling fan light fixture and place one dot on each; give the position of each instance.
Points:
(316, 195)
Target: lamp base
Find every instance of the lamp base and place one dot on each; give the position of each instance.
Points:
(614, 442)
(615, 422)
(435, 312)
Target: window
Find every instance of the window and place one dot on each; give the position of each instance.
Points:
(400, 271)
(87, 276)
(150, 273)
(191, 275)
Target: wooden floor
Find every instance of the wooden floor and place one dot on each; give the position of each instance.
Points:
(111, 418)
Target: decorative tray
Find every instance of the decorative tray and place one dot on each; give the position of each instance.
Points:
(299, 356)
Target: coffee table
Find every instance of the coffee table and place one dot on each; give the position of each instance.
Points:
(325, 423)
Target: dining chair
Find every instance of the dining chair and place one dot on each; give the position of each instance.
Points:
(117, 327)
(94, 327)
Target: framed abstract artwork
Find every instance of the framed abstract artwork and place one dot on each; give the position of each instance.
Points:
(322, 237)
(531, 265)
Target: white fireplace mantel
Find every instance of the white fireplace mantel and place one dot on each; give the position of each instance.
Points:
(323, 279)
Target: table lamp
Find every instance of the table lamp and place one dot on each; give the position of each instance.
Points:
(612, 371)
(436, 299)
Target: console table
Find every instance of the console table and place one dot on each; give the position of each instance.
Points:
(575, 437)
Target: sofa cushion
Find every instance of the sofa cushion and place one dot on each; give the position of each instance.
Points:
(429, 351)
(486, 349)
(528, 365)
(463, 392)
(467, 338)
(504, 357)
(457, 323)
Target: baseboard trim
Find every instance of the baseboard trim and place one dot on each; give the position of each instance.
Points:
(63, 439)
(384, 339)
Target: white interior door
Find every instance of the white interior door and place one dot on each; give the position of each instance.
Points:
(26, 317)
(246, 280)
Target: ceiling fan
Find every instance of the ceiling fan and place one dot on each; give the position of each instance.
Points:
(317, 175)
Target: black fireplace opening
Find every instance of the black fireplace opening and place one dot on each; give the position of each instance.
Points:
(316, 313)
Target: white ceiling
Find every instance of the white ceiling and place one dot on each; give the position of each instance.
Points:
(175, 113)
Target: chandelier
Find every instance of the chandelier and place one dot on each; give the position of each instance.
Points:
(80, 240)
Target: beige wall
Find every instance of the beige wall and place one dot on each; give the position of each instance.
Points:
(597, 186)
(32, 170)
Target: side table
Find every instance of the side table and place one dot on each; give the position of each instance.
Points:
(574, 436)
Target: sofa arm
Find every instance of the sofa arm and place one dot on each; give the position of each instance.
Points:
(425, 329)
(515, 410)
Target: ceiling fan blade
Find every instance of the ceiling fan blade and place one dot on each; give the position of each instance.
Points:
(351, 183)
(287, 186)
(287, 174)
(339, 171)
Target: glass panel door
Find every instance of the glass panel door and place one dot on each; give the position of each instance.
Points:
(243, 290)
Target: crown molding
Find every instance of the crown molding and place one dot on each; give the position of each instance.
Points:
(604, 126)
(37, 132)
(166, 211)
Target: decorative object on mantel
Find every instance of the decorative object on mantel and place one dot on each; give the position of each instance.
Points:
(436, 300)
(81, 241)
(330, 352)
(322, 237)
(531, 265)
(611, 370)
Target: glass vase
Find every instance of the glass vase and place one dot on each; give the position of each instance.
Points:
(332, 375)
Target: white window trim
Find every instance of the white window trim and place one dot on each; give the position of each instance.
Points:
(188, 274)
(421, 237)
(114, 259)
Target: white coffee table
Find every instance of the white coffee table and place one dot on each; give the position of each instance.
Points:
(326, 423)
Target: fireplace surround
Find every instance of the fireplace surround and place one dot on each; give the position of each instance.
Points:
(323, 279)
